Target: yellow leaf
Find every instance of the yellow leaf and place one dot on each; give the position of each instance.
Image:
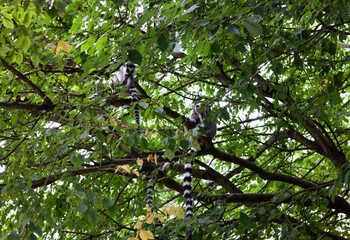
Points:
(136, 173)
(148, 209)
(179, 212)
(160, 217)
(145, 235)
(149, 134)
(164, 210)
(166, 215)
(66, 46)
(126, 168)
(117, 169)
(155, 159)
(113, 122)
(139, 162)
(150, 158)
(177, 132)
(138, 224)
(62, 45)
(150, 218)
(171, 211)
(168, 207)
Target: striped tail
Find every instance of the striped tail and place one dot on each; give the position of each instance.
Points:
(150, 191)
(135, 99)
(188, 190)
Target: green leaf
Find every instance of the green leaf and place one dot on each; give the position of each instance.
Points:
(191, 9)
(19, 58)
(232, 29)
(50, 220)
(160, 111)
(143, 143)
(12, 57)
(40, 2)
(224, 113)
(163, 43)
(100, 136)
(146, 17)
(27, 19)
(26, 5)
(38, 9)
(93, 217)
(4, 50)
(298, 62)
(77, 160)
(61, 6)
(113, 211)
(107, 203)
(185, 144)
(82, 208)
(101, 42)
(52, 12)
(13, 236)
(169, 154)
(32, 237)
(91, 196)
(244, 219)
(215, 48)
(254, 18)
(80, 194)
(143, 104)
(38, 230)
(8, 23)
(88, 44)
(261, 211)
(84, 134)
(26, 44)
(252, 27)
(135, 57)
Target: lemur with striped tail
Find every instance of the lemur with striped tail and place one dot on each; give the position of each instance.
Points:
(199, 115)
(150, 182)
(126, 77)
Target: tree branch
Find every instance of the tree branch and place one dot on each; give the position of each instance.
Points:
(47, 101)
(24, 106)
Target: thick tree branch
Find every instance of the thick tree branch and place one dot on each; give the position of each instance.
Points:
(219, 178)
(23, 106)
(53, 178)
(47, 101)
(322, 143)
(261, 172)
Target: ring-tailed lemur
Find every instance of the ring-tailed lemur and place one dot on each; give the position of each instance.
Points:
(126, 77)
(198, 115)
(150, 190)
(150, 184)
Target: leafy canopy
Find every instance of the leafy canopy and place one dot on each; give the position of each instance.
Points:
(275, 73)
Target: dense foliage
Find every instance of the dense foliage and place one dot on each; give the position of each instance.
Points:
(275, 73)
